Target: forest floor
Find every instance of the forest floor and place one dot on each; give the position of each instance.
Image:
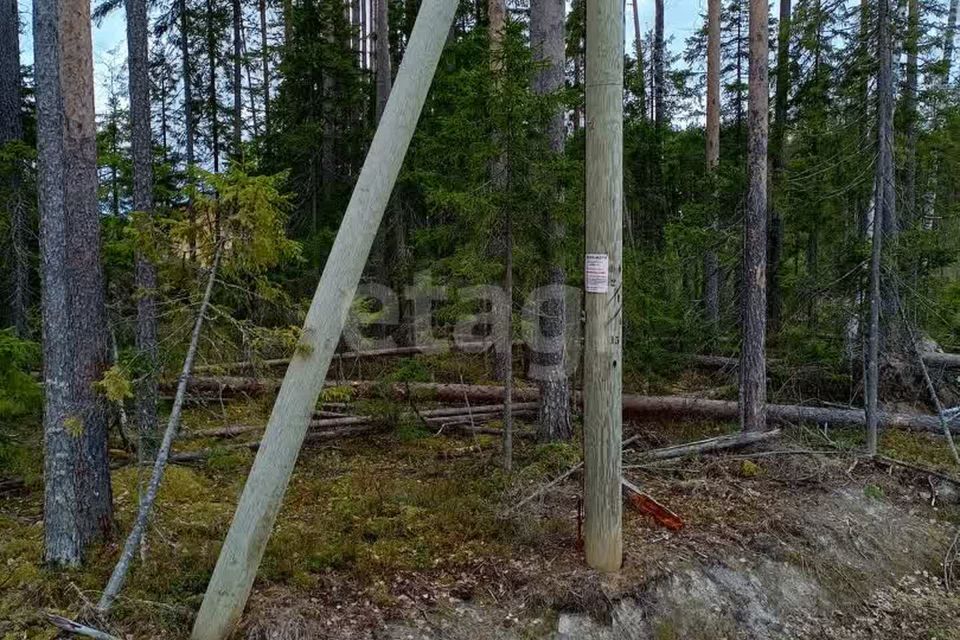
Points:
(404, 534)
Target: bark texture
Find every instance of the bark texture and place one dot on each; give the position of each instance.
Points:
(910, 115)
(145, 275)
(547, 39)
(884, 218)
(78, 506)
(753, 375)
(711, 268)
(11, 124)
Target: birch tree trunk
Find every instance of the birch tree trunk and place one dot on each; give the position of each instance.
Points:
(711, 268)
(778, 162)
(11, 128)
(753, 375)
(603, 375)
(145, 275)
(78, 505)
(263, 493)
(883, 218)
(548, 41)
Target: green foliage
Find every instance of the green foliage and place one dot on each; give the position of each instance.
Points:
(115, 385)
(19, 394)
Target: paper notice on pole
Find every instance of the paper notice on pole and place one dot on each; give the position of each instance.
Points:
(596, 273)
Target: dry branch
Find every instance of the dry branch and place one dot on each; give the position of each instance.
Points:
(119, 575)
(65, 624)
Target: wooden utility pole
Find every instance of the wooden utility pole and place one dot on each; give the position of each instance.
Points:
(263, 493)
(603, 374)
(753, 371)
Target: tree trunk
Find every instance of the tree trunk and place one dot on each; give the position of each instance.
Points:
(213, 104)
(145, 276)
(237, 84)
(883, 217)
(603, 374)
(910, 115)
(11, 128)
(364, 35)
(778, 162)
(711, 268)
(547, 39)
(753, 376)
(188, 123)
(265, 63)
(78, 505)
(262, 495)
(949, 36)
(382, 51)
(499, 177)
(638, 51)
(11, 123)
(659, 87)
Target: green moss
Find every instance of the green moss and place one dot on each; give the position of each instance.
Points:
(873, 491)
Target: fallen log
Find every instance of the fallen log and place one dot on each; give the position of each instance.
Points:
(696, 408)
(688, 449)
(450, 414)
(636, 406)
(467, 347)
(318, 436)
(930, 358)
(231, 432)
(941, 360)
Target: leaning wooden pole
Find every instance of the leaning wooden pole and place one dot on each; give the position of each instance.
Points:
(262, 496)
(602, 384)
